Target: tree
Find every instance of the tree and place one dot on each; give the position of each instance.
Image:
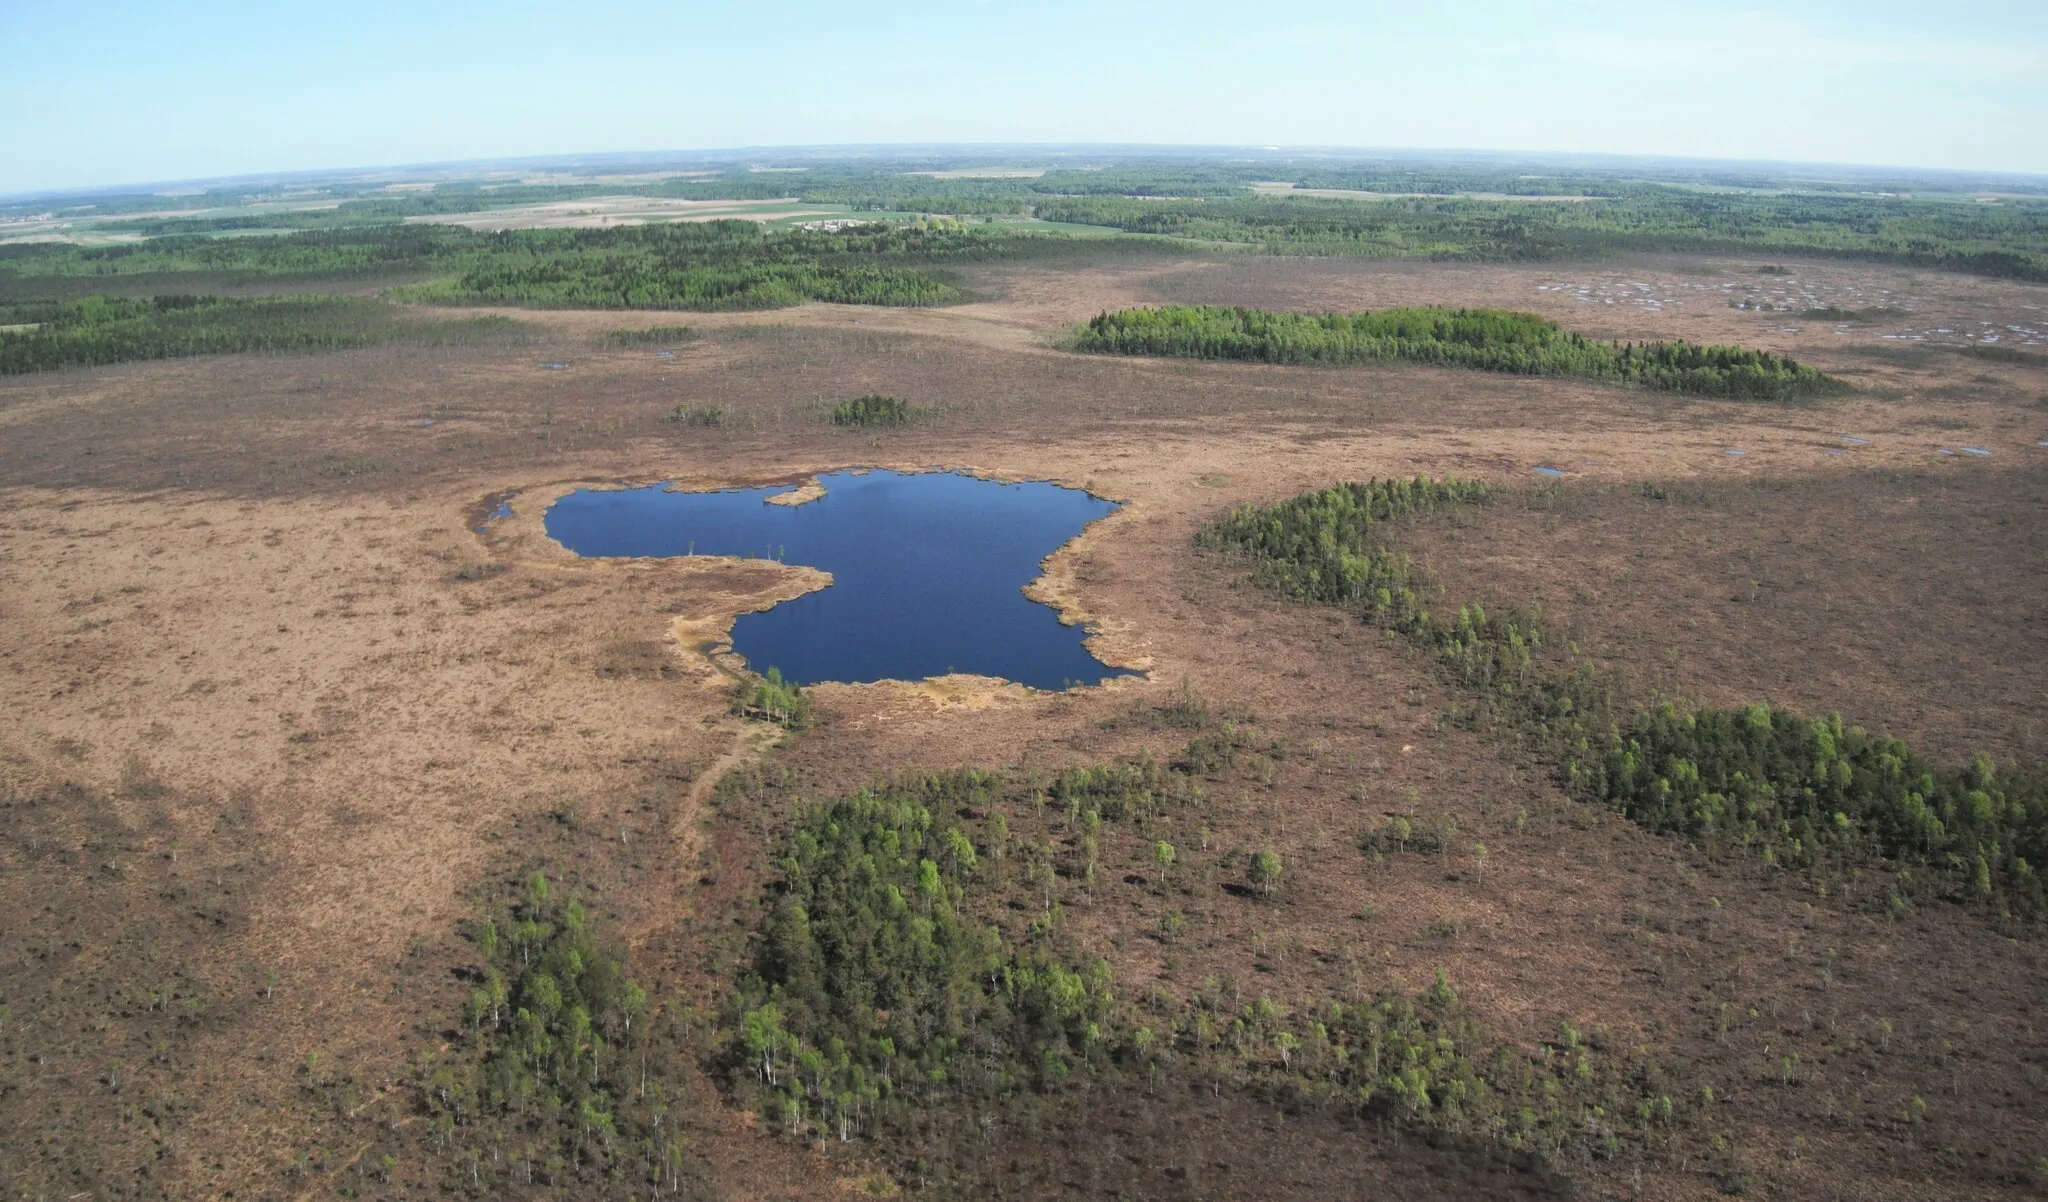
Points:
(1265, 870)
(961, 848)
(1162, 854)
(1044, 876)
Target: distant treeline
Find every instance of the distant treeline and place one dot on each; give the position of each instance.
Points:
(100, 330)
(898, 191)
(698, 265)
(703, 266)
(444, 200)
(2007, 240)
(1422, 212)
(1810, 794)
(385, 250)
(1136, 173)
(1486, 339)
(1439, 209)
(1207, 204)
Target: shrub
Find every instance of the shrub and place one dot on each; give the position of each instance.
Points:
(873, 409)
(696, 415)
(652, 336)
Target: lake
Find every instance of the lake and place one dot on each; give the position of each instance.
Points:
(927, 570)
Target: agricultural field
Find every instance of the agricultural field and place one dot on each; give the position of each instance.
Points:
(365, 841)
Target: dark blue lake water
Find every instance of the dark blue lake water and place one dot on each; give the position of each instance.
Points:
(927, 571)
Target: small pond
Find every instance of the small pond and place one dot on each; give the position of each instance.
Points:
(927, 570)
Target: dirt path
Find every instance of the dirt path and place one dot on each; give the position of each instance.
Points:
(749, 741)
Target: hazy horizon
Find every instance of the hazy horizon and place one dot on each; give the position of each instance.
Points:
(228, 89)
(997, 153)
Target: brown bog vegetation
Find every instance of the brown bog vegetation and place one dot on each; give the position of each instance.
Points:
(311, 767)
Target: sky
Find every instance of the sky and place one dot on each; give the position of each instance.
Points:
(117, 91)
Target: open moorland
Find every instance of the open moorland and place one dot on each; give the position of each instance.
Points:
(317, 755)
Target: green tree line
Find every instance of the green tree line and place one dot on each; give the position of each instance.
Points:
(713, 265)
(101, 330)
(1798, 792)
(2009, 240)
(1423, 210)
(1485, 339)
(696, 265)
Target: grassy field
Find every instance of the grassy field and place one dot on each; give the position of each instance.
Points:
(268, 971)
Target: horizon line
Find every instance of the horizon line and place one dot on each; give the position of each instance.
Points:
(736, 154)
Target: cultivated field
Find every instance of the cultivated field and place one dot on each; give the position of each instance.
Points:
(594, 211)
(286, 708)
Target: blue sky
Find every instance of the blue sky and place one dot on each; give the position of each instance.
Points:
(103, 93)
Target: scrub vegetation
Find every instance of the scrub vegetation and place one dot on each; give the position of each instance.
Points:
(703, 416)
(915, 982)
(874, 410)
(1809, 795)
(1485, 339)
(651, 336)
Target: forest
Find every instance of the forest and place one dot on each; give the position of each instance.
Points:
(703, 266)
(498, 259)
(720, 265)
(869, 923)
(1414, 210)
(913, 978)
(1422, 211)
(1485, 339)
(698, 265)
(99, 330)
(2009, 241)
(1803, 794)
(546, 1080)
